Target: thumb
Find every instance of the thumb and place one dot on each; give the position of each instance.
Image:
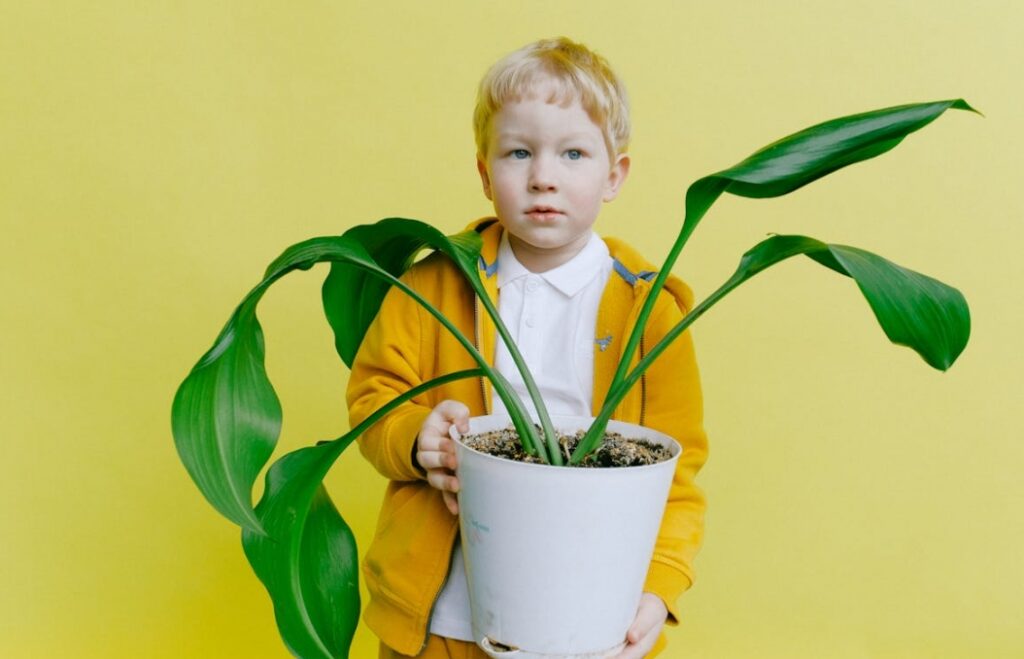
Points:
(652, 611)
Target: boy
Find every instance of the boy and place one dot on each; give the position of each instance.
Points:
(552, 128)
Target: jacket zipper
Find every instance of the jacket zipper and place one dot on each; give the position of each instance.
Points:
(476, 344)
(451, 552)
(643, 384)
(437, 595)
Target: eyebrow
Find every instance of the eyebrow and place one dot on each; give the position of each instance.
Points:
(526, 136)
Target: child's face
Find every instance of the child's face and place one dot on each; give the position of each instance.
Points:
(548, 171)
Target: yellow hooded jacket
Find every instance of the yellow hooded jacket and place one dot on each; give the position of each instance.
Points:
(408, 560)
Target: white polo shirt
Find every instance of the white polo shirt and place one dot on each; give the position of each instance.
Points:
(551, 317)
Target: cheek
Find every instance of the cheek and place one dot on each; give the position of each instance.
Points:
(502, 186)
(501, 198)
(592, 193)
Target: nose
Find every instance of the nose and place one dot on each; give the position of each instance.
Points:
(542, 175)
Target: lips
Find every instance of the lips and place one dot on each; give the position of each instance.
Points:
(543, 212)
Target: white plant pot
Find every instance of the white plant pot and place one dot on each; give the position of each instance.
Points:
(556, 557)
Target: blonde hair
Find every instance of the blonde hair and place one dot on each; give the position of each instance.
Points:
(577, 73)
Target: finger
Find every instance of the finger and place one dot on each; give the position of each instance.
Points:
(443, 480)
(437, 425)
(631, 652)
(447, 446)
(451, 501)
(445, 458)
(640, 649)
(436, 460)
(454, 412)
(429, 438)
(650, 614)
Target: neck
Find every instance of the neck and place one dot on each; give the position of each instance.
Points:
(540, 259)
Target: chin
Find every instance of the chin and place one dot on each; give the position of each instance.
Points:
(541, 243)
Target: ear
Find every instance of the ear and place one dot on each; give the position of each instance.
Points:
(485, 178)
(616, 177)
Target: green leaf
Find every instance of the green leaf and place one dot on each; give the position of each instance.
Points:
(784, 166)
(352, 296)
(803, 157)
(226, 417)
(351, 301)
(308, 561)
(914, 310)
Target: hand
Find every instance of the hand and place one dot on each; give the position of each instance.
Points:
(435, 449)
(650, 618)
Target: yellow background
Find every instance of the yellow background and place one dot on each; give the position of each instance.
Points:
(154, 157)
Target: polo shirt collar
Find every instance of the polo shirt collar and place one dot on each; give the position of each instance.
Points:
(569, 278)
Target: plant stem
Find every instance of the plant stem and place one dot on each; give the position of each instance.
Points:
(699, 198)
(554, 455)
(310, 252)
(520, 417)
(615, 395)
(400, 400)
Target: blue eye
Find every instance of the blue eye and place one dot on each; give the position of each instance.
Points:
(574, 154)
(520, 154)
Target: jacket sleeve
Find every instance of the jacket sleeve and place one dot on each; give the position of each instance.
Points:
(386, 366)
(674, 405)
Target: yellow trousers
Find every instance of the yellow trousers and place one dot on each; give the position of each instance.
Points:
(439, 648)
(447, 648)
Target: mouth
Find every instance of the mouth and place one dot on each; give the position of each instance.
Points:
(543, 212)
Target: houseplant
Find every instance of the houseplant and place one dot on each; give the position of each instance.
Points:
(226, 417)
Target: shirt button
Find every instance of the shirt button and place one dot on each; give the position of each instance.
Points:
(531, 285)
(529, 322)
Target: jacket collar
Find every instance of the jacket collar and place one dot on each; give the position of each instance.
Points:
(620, 305)
(628, 263)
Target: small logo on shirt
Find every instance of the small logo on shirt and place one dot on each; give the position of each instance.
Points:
(603, 343)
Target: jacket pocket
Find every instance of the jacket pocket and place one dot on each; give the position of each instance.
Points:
(408, 559)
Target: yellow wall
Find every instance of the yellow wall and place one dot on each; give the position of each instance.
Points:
(155, 156)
